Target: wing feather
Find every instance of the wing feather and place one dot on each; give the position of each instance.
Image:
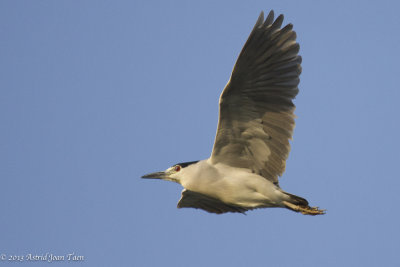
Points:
(191, 199)
(256, 118)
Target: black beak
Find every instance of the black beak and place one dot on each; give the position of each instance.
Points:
(155, 175)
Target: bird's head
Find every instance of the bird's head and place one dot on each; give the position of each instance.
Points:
(173, 173)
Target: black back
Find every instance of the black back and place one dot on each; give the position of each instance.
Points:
(185, 164)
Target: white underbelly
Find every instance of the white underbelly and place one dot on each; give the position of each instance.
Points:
(237, 186)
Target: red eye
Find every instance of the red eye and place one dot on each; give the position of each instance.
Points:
(177, 168)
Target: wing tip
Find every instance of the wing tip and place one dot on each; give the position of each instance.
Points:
(269, 20)
(260, 20)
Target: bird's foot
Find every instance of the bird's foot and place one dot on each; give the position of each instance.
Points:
(307, 210)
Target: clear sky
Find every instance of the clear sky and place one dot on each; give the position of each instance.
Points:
(94, 94)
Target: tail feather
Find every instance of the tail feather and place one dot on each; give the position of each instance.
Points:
(297, 200)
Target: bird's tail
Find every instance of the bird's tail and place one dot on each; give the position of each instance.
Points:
(299, 204)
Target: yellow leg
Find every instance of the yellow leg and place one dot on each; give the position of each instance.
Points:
(304, 209)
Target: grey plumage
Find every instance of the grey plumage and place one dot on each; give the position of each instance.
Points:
(190, 199)
(256, 121)
(256, 109)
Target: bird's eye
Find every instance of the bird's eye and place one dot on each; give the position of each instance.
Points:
(177, 168)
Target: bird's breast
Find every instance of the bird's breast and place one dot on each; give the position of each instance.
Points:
(232, 185)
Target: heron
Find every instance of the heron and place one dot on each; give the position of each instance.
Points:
(256, 122)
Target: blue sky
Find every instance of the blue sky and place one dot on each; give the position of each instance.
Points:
(94, 94)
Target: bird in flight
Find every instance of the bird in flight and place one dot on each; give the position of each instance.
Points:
(256, 121)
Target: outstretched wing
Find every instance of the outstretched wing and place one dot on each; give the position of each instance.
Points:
(256, 116)
(191, 199)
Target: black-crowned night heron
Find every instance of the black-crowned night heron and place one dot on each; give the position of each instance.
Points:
(256, 121)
